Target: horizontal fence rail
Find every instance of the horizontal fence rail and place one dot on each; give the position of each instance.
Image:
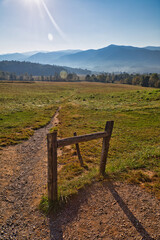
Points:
(82, 138)
(53, 143)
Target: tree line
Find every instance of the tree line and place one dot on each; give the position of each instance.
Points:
(62, 76)
(144, 80)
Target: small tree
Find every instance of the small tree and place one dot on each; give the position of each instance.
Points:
(153, 79)
(145, 81)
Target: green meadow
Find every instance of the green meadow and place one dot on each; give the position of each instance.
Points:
(134, 153)
(25, 107)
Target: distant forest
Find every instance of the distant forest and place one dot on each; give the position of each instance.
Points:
(144, 80)
(36, 69)
(21, 71)
(61, 77)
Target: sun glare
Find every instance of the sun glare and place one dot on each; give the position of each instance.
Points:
(33, 1)
(37, 1)
(42, 4)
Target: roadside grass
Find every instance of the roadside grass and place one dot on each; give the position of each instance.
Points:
(134, 154)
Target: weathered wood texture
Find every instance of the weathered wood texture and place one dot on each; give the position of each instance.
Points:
(105, 146)
(81, 138)
(52, 166)
(53, 144)
(78, 152)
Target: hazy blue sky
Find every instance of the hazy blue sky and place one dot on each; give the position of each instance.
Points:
(27, 25)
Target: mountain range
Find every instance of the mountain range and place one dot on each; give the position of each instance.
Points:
(112, 58)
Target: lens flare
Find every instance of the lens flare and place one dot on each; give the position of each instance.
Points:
(50, 37)
(52, 19)
(63, 74)
(41, 3)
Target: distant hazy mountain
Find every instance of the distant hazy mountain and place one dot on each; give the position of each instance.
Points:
(115, 59)
(13, 56)
(50, 57)
(32, 53)
(37, 57)
(153, 48)
(37, 69)
(108, 59)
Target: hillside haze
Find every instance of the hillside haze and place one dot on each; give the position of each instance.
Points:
(112, 58)
(115, 59)
(50, 57)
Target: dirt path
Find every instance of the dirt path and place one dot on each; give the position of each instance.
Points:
(23, 177)
(101, 211)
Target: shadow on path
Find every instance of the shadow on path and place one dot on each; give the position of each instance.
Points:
(145, 235)
(67, 214)
(64, 218)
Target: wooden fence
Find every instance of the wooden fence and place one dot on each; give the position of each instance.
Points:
(53, 143)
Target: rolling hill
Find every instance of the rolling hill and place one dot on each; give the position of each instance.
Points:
(37, 69)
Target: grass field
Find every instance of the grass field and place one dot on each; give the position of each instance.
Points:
(134, 153)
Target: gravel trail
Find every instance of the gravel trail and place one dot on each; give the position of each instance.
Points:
(23, 176)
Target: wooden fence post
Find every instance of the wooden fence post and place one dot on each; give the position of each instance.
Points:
(105, 146)
(78, 152)
(52, 166)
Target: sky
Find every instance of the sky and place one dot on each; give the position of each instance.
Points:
(52, 25)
